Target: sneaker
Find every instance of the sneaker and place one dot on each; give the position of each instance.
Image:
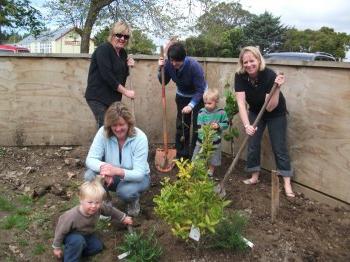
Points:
(133, 208)
(210, 174)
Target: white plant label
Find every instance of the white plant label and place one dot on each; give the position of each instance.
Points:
(195, 233)
(124, 255)
(250, 244)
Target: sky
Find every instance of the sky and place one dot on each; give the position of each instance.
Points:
(305, 14)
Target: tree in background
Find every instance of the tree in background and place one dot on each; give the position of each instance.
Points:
(16, 15)
(140, 43)
(220, 31)
(322, 40)
(265, 31)
(156, 16)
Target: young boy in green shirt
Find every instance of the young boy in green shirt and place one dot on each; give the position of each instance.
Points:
(217, 118)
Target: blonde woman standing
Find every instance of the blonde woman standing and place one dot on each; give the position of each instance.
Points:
(108, 72)
(253, 82)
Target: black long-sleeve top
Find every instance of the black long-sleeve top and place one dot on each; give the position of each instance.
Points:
(107, 70)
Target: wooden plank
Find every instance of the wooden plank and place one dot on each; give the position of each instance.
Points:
(275, 195)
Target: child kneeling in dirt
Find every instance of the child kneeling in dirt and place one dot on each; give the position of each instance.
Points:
(75, 228)
(217, 118)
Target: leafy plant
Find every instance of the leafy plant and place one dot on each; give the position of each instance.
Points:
(231, 109)
(191, 199)
(141, 247)
(228, 233)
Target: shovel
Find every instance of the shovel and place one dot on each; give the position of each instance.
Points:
(220, 189)
(164, 159)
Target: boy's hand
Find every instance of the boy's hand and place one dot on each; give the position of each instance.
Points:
(214, 125)
(127, 221)
(58, 252)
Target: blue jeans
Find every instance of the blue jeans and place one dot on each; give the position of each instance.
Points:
(277, 128)
(77, 245)
(128, 191)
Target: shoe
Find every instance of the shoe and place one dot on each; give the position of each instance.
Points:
(133, 208)
(250, 182)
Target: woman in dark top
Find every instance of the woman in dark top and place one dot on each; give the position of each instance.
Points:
(253, 82)
(108, 71)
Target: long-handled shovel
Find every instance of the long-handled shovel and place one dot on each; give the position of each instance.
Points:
(220, 189)
(164, 156)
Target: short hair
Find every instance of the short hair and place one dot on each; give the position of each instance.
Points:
(93, 190)
(177, 52)
(114, 112)
(119, 27)
(211, 93)
(256, 53)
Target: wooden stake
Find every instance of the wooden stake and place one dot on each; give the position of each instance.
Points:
(275, 195)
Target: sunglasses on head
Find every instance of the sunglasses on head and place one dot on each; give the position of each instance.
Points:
(126, 37)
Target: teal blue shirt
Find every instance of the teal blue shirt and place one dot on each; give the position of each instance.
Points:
(205, 117)
(133, 156)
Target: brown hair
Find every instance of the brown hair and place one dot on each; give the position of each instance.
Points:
(119, 28)
(114, 112)
(256, 53)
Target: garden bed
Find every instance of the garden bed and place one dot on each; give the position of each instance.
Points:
(38, 183)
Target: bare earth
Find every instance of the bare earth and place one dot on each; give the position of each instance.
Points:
(305, 230)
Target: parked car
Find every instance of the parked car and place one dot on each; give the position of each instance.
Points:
(318, 56)
(13, 49)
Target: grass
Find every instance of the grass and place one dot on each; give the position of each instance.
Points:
(39, 249)
(20, 222)
(2, 151)
(5, 204)
(141, 247)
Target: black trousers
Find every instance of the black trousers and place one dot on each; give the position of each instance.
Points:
(98, 109)
(185, 148)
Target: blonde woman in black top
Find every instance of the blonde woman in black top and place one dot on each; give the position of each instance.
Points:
(108, 72)
(253, 82)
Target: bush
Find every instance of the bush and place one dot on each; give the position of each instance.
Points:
(228, 234)
(191, 200)
(141, 248)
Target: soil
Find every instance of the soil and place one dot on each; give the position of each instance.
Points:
(304, 231)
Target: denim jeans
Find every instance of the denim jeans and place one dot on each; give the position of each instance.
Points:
(277, 128)
(128, 191)
(98, 109)
(185, 148)
(77, 245)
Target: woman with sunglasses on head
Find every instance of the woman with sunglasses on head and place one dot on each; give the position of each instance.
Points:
(108, 71)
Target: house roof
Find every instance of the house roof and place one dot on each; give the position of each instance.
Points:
(46, 36)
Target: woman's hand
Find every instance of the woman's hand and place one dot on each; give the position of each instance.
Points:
(250, 130)
(127, 221)
(129, 93)
(58, 252)
(186, 110)
(131, 61)
(280, 79)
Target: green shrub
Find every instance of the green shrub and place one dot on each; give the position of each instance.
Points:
(141, 247)
(191, 200)
(228, 234)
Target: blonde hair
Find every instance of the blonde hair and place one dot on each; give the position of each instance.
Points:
(119, 28)
(114, 112)
(256, 53)
(92, 190)
(211, 93)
